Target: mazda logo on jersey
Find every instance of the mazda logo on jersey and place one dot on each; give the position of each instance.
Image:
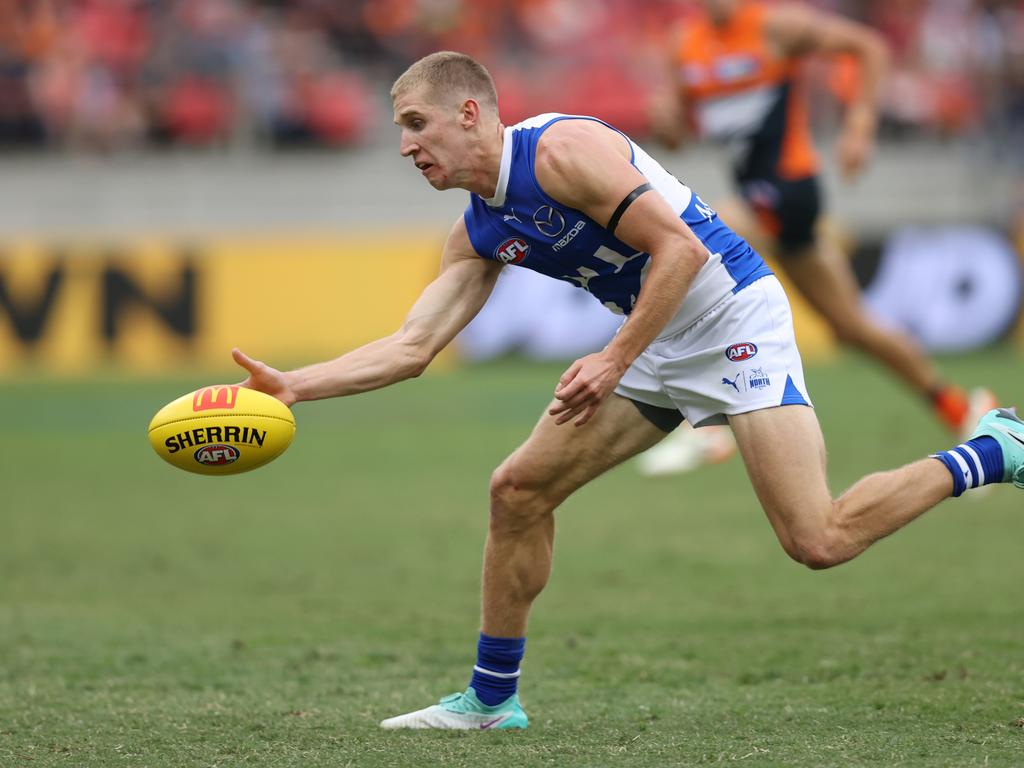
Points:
(512, 251)
(548, 221)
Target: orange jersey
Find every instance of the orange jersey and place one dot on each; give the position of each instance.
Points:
(743, 92)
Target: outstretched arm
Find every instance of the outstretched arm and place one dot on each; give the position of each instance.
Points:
(443, 309)
(798, 29)
(586, 165)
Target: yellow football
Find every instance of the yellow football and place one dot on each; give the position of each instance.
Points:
(222, 430)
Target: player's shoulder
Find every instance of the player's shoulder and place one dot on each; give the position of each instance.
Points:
(572, 135)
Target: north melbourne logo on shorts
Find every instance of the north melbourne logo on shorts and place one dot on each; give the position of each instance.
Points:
(758, 379)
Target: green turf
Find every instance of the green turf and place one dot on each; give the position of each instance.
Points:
(153, 618)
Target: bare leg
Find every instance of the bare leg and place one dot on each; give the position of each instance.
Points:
(823, 275)
(738, 216)
(813, 528)
(526, 489)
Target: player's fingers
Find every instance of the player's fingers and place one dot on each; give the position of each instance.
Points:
(574, 411)
(567, 417)
(569, 375)
(588, 414)
(568, 404)
(571, 407)
(558, 408)
(581, 385)
(244, 360)
(575, 395)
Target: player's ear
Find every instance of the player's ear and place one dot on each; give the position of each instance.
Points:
(469, 113)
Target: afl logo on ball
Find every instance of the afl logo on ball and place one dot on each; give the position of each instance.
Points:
(742, 351)
(512, 251)
(217, 455)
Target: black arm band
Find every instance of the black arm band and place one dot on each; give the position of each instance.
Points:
(627, 201)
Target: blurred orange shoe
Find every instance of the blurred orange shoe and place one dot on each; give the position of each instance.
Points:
(979, 402)
(961, 411)
(951, 406)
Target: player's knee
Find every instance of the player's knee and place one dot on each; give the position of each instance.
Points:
(517, 500)
(852, 332)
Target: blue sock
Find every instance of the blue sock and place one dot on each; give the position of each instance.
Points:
(496, 674)
(974, 463)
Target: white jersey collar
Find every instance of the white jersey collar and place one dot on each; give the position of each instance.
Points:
(506, 164)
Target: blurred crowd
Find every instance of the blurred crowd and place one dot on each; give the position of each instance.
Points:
(114, 74)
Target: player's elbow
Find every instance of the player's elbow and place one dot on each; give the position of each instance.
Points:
(698, 254)
(412, 356)
(691, 253)
(416, 363)
(819, 550)
(873, 48)
(683, 252)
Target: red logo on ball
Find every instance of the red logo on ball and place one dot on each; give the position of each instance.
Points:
(215, 397)
(512, 251)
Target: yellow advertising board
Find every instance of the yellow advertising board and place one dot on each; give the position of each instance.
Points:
(161, 305)
(156, 305)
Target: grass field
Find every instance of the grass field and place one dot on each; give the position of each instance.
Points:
(153, 618)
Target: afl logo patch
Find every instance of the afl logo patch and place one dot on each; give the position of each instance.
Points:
(548, 221)
(745, 350)
(217, 455)
(512, 251)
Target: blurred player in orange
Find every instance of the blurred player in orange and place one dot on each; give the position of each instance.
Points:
(736, 79)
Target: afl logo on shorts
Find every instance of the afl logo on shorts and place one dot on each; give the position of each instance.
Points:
(745, 350)
(512, 251)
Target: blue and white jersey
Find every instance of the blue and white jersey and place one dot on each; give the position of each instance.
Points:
(524, 227)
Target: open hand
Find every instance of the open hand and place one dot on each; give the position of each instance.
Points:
(264, 378)
(584, 386)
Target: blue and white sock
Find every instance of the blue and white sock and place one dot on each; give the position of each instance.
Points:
(496, 674)
(974, 463)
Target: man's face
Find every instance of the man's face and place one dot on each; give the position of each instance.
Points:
(432, 136)
(721, 10)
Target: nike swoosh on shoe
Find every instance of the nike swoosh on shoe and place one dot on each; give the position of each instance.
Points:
(1012, 434)
(491, 723)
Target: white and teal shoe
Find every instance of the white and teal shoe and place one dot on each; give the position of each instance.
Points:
(463, 711)
(1007, 429)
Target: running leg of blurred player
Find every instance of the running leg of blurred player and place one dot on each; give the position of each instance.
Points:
(822, 274)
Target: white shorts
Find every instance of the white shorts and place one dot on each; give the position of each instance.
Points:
(739, 356)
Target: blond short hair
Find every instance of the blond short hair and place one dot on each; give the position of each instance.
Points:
(449, 75)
